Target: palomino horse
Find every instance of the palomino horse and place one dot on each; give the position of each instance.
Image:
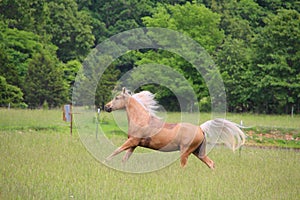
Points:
(147, 130)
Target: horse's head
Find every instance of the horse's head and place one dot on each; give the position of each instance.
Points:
(119, 102)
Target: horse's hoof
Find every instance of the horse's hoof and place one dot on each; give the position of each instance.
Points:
(212, 166)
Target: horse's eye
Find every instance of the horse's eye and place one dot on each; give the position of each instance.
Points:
(117, 98)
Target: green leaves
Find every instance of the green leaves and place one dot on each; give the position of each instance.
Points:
(44, 81)
(192, 19)
(195, 21)
(9, 95)
(254, 43)
(277, 62)
(70, 29)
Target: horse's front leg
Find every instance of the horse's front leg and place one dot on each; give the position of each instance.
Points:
(128, 154)
(130, 143)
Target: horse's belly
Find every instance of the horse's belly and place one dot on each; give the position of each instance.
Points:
(169, 147)
(164, 144)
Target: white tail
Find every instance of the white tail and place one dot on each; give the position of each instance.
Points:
(224, 131)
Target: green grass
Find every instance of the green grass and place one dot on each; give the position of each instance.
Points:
(51, 165)
(14, 119)
(20, 119)
(39, 160)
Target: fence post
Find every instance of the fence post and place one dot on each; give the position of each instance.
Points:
(97, 122)
(68, 116)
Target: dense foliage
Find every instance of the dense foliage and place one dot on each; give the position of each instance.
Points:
(255, 44)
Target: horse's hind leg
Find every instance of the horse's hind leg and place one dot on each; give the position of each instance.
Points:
(201, 154)
(184, 158)
(207, 161)
(185, 152)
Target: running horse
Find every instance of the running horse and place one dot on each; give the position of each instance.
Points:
(145, 129)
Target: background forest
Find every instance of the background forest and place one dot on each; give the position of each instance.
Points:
(254, 43)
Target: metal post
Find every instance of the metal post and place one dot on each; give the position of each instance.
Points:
(71, 120)
(97, 122)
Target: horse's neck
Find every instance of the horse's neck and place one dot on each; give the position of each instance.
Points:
(137, 113)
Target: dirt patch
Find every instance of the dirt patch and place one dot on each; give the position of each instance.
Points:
(273, 137)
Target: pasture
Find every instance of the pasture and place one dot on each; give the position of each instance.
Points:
(39, 160)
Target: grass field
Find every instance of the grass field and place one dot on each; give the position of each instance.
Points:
(39, 160)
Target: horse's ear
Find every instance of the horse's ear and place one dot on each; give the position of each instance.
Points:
(123, 90)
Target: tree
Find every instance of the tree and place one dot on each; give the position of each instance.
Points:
(70, 30)
(44, 81)
(70, 70)
(17, 14)
(96, 79)
(239, 19)
(234, 61)
(192, 19)
(117, 15)
(7, 69)
(274, 5)
(197, 22)
(17, 48)
(276, 64)
(58, 21)
(106, 85)
(9, 94)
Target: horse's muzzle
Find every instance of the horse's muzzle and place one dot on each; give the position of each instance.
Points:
(107, 109)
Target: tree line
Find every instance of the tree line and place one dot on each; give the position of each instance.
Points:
(255, 45)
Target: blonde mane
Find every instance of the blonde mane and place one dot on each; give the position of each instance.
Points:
(146, 98)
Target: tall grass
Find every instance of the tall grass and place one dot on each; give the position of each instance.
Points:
(249, 120)
(18, 119)
(12, 119)
(51, 165)
(262, 120)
